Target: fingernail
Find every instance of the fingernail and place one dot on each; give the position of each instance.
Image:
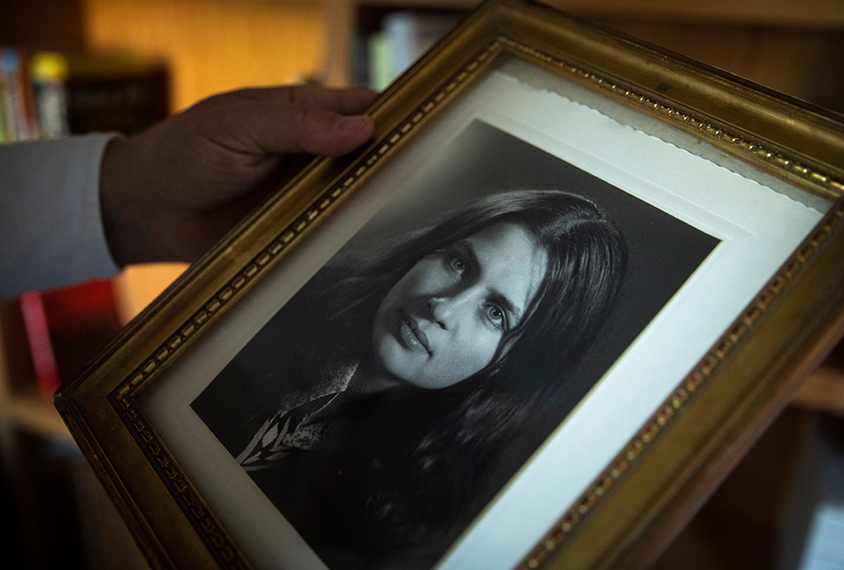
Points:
(353, 123)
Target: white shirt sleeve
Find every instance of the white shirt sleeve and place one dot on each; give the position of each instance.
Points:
(51, 229)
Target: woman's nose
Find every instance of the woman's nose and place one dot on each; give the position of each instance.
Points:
(445, 310)
(440, 313)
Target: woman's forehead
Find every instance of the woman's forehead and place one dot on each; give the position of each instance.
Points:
(511, 261)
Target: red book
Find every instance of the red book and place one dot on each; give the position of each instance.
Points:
(66, 328)
(38, 333)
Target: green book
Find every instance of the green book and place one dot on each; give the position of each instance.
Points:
(380, 62)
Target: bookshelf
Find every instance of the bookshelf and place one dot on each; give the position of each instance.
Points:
(781, 44)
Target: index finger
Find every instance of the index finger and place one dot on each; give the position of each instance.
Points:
(348, 101)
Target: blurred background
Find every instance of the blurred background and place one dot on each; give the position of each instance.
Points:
(76, 66)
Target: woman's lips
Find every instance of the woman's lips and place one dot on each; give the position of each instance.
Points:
(412, 336)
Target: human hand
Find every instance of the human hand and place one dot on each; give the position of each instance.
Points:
(170, 192)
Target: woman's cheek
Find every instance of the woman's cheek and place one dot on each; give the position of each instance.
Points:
(479, 348)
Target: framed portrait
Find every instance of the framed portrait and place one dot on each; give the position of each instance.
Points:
(531, 324)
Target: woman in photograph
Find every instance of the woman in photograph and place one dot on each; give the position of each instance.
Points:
(384, 434)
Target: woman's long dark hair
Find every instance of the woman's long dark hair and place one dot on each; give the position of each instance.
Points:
(414, 489)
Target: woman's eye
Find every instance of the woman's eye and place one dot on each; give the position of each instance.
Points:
(496, 316)
(458, 264)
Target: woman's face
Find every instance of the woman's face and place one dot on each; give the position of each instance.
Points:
(443, 321)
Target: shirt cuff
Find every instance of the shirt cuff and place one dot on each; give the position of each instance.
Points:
(51, 228)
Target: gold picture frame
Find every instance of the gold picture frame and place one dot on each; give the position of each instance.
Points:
(731, 201)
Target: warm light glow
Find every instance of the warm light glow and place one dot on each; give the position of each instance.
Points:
(213, 45)
(139, 285)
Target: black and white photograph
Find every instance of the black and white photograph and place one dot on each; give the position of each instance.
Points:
(390, 400)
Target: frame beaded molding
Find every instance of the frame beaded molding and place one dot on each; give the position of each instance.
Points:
(212, 533)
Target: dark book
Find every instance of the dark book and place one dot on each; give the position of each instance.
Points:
(115, 93)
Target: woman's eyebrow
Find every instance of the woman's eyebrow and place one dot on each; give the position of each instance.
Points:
(468, 250)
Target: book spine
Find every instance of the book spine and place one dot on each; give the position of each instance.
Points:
(19, 105)
(8, 67)
(49, 72)
(38, 334)
(27, 98)
(380, 61)
(4, 133)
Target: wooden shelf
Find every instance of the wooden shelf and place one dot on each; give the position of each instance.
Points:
(824, 390)
(813, 13)
(781, 44)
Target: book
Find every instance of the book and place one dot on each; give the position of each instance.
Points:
(825, 540)
(380, 61)
(66, 328)
(115, 92)
(49, 71)
(388, 43)
(411, 33)
(18, 118)
(40, 345)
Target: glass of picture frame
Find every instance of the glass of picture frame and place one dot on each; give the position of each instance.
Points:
(531, 324)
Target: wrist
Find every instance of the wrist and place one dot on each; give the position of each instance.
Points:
(126, 236)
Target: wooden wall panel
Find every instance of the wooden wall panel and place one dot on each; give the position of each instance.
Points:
(798, 60)
(213, 45)
(41, 23)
